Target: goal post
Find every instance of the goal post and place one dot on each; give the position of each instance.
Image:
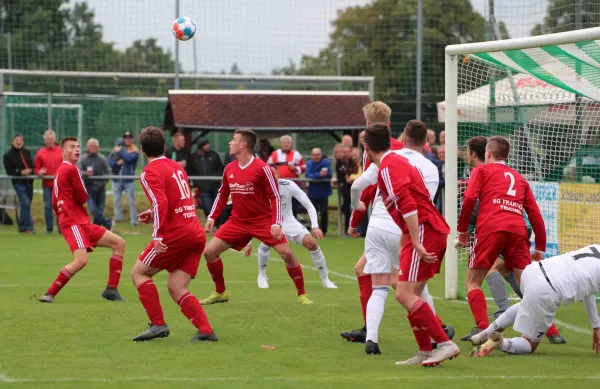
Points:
(543, 94)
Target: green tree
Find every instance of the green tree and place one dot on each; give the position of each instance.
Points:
(561, 15)
(148, 57)
(379, 39)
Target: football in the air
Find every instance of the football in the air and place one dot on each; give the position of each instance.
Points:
(184, 28)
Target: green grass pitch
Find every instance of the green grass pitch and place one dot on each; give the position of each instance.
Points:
(82, 341)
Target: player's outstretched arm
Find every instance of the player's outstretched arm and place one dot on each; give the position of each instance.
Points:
(536, 220)
(155, 191)
(299, 195)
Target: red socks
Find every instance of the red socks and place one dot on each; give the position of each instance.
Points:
(298, 278)
(151, 302)
(365, 286)
(552, 331)
(478, 306)
(216, 272)
(421, 336)
(115, 265)
(424, 319)
(63, 277)
(192, 309)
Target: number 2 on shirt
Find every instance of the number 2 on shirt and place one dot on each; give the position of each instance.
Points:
(511, 189)
(184, 188)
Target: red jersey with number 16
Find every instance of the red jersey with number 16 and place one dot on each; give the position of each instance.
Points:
(69, 196)
(173, 209)
(404, 193)
(503, 195)
(254, 194)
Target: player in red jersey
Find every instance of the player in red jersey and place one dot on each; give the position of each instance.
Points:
(423, 246)
(68, 197)
(177, 241)
(375, 112)
(503, 194)
(256, 214)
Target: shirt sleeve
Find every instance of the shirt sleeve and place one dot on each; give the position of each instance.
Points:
(273, 194)
(221, 200)
(592, 311)
(371, 174)
(535, 219)
(397, 186)
(270, 160)
(155, 191)
(79, 190)
(469, 200)
(37, 163)
(301, 168)
(299, 195)
(356, 190)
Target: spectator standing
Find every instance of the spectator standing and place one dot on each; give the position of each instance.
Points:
(341, 158)
(95, 164)
(206, 162)
(319, 168)
(347, 140)
(177, 151)
(123, 160)
(443, 138)
(288, 162)
(18, 163)
(46, 163)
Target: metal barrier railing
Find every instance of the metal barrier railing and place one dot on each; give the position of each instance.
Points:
(194, 178)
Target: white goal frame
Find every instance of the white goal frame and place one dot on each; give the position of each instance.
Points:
(451, 96)
(77, 107)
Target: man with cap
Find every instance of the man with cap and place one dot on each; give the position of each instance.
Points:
(206, 162)
(18, 163)
(123, 161)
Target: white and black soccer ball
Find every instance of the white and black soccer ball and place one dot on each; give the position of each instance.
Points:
(184, 28)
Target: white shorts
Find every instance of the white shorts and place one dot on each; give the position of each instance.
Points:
(538, 307)
(382, 251)
(294, 231)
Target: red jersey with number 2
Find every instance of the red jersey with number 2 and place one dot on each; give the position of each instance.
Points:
(173, 208)
(503, 195)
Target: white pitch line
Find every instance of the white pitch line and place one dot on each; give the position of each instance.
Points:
(559, 322)
(6, 379)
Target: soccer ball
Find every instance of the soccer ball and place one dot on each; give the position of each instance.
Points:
(184, 28)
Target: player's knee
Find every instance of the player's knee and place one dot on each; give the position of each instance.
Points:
(288, 256)
(120, 245)
(80, 263)
(311, 244)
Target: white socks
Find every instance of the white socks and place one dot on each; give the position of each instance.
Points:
(507, 319)
(375, 308)
(515, 346)
(263, 256)
(427, 298)
(319, 261)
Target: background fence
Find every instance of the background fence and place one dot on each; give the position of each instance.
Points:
(260, 44)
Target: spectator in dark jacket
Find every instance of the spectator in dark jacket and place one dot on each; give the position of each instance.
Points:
(18, 163)
(95, 164)
(319, 168)
(177, 152)
(342, 157)
(124, 160)
(432, 156)
(206, 162)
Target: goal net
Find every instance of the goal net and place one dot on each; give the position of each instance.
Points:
(543, 94)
